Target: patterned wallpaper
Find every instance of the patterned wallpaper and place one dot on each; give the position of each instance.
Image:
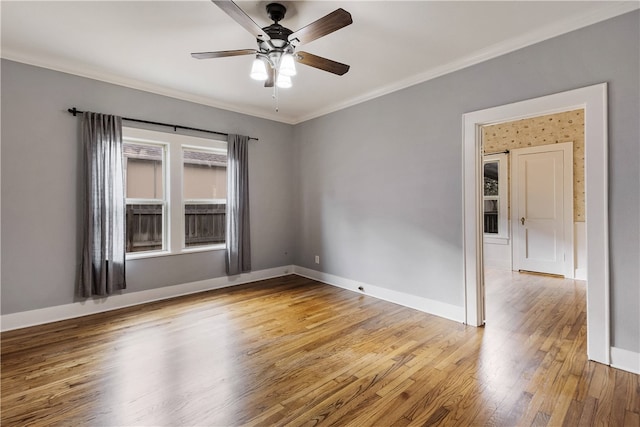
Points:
(550, 129)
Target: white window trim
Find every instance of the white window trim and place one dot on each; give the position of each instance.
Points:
(173, 180)
(503, 198)
(163, 200)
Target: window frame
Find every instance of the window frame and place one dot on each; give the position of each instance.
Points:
(163, 201)
(185, 201)
(174, 213)
(503, 197)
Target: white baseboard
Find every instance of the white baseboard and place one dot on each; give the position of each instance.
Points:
(580, 274)
(426, 305)
(91, 306)
(580, 250)
(626, 360)
(620, 358)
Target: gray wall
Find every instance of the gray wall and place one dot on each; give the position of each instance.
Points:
(41, 216)
(375, 190)
(380, 184)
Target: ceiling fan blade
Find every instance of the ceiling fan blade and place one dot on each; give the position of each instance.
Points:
(223, 53)
(322, 63)
(337, 19)
(271, 79)
(238, 15)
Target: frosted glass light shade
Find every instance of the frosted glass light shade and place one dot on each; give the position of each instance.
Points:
(284, 82)
(287, 65)
(259, 70)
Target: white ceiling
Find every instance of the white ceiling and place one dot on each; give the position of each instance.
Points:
(390, 45)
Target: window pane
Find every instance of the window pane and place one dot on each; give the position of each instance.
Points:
(204, 224)
(491, 216)
(143, 165)
(205, 175)
(491, 179)
(144, 176)
(144, 227)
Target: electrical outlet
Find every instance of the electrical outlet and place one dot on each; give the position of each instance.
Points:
(317, 259)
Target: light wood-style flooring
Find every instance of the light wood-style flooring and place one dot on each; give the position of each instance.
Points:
(292, 351)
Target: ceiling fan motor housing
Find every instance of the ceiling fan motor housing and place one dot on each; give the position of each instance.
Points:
(278, 34)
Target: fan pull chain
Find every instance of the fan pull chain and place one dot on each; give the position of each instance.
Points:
(275, 97)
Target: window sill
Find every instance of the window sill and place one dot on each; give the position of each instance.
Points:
(144, 255)
(203, 248)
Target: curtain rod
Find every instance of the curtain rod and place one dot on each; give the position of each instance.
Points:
(75, 112)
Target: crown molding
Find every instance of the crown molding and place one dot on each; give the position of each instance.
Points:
(81, 70)
(609, 11)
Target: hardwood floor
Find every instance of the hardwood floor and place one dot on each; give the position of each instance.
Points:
(291, 351)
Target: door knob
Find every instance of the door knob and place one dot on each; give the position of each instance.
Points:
(522, 220)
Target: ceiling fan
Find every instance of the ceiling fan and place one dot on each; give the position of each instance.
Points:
(276, 53)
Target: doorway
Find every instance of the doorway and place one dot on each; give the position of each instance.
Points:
(593, 100)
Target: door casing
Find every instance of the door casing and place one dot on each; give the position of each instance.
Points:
(593, 99)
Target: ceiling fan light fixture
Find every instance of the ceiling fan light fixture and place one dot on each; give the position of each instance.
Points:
(275, 57)
(287, 65)
(259, 70)
(284, 82)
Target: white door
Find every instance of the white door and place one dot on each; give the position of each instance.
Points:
(542, 209)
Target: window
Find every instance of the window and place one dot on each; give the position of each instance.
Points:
(205, 196)
(144, 168)
(495, 196)
(175, 193)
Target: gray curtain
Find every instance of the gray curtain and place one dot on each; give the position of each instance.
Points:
(238, 254)
(103, 253)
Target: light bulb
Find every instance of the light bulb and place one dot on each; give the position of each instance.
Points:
(284, 82)
(287, 65)
(259, 70)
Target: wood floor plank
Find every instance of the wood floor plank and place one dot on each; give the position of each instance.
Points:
(631, 419)
(293, 351)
